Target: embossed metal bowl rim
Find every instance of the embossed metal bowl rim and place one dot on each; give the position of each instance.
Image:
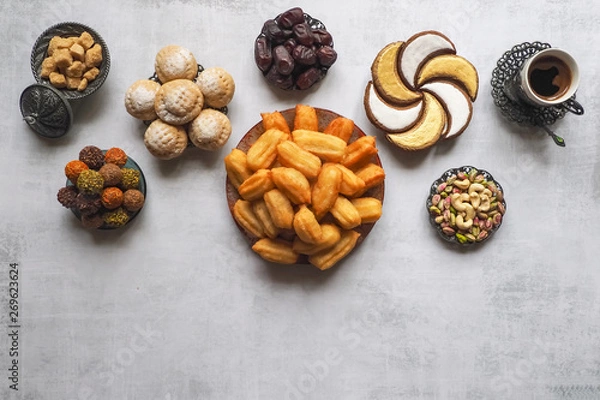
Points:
(142, 188)
(65, 29)
(443, 178)
(314, 23)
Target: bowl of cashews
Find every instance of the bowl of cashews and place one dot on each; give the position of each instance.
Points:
(466, 205)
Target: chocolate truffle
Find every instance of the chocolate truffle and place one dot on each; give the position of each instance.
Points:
(66, 196)
(116, 218)
(92, 156)
(133, 200)
(111, 173)
(112, 197)
(116, 156)
(73, 169)
(88, 204)
(90, 182)
(131, 178)
(93, 221)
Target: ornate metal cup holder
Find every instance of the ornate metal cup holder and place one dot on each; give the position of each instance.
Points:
(522, 113)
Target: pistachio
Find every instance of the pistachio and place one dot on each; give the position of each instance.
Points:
(449, 188)
(451, 180)
(448, 231)
(497, 219)
(436, 198)
(447, 215)
(501, 208)
(488, 224)
(439, 219)
(452, 220)
(441, 187)
(470, 237)
(444, 195)
(499, 195)
(475, 230)
(461, 175)
(482, 235)
(440, 204)
(434, 210)
(472, 174)
(461, 238)
(479, 178)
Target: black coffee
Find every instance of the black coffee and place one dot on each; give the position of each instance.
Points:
(549, 77)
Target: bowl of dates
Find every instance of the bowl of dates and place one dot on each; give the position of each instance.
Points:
(294, 50)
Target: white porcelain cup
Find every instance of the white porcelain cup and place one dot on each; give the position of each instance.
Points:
(549, 77)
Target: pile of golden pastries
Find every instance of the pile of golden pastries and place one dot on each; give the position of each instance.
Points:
(301, 192)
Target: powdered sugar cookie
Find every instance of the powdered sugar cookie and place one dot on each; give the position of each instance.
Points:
(165, 141)
(139, 99)
(178, 102)
(217, 85)
(210, 130)
(175, 62)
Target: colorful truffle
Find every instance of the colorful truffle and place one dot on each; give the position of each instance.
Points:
(88, 204)
(116, 218)
(74, 168)
(92, 156)
(112, 197)
(133, 200)
(130, 179)
(93, 221)
(67, 196)
(90, 182)
(112, 174)
(116, 156)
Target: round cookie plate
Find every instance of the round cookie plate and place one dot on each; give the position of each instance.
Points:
(485, 223)
(324, 117)
(142, 188)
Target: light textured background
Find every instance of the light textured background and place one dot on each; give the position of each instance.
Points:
(176, 306)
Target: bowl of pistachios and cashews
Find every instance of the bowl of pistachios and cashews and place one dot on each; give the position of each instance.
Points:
(466, 205)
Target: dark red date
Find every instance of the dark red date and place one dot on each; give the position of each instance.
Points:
(308, 78)
(273, 32)
(303, 34)
(283, 60)
(281, 81)
(262, 53)
(326, 56)
(291, 17)
(304, 55)
(322, 37)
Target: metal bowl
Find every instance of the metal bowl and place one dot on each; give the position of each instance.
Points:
(67, 29)
(453, 238)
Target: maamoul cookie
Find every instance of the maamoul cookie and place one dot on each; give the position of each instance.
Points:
(175, 62)
(178, 102)
(165, 141)
(217, 85)
(421, 91)
(139, 99)
(210, 130)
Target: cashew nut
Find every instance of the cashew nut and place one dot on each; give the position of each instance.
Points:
(485, 203)
(462, 224)
(475, 200)
(469, 210)
(457, 201)
(487, 192)
(476, 187)
(465, 183)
